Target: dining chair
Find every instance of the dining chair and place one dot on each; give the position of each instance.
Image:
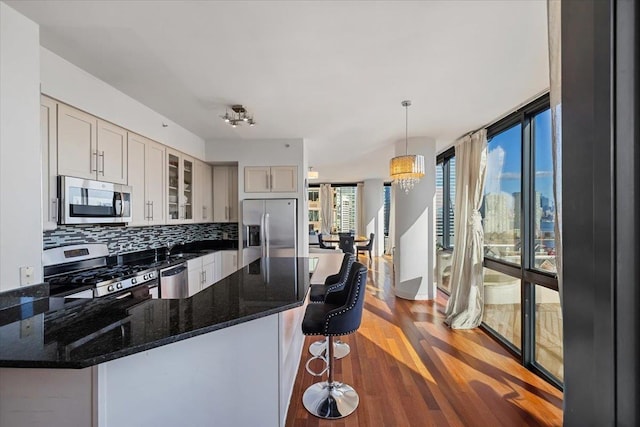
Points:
(367, 247)
(321, 243)
(347, 244)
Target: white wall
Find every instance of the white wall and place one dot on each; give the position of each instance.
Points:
(20, 170)
(370, 165)
(374, 213)
(272, 152)
(66, 82)
(414, 234)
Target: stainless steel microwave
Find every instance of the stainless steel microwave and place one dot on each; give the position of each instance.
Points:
(84, 201)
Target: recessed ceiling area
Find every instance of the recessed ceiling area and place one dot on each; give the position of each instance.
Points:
(333, 73)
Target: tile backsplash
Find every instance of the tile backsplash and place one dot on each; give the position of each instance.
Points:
(127, 239)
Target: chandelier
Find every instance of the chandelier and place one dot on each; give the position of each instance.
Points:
(407, 170)
(238, 116)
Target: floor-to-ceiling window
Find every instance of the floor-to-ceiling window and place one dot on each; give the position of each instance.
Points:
(386, 194)
(522, 306)
(445, 207)
(313, 194)
(345, 215)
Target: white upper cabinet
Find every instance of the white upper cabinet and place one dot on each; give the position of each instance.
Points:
(112, 153)
(77, 145)
(90, 148)
(180, 187)
(146, 169)
(49, 149)
(265, 179)
(203, 211)
(284, 179)
(225, 194)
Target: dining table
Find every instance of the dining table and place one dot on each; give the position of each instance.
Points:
(334, 238)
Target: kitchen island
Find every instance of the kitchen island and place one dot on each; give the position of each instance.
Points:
(228, 355)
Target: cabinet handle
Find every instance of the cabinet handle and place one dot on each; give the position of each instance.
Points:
(102, 155)
(94, 160)
(205, 276)
(54, 210)
(151, 209)
(204, 212)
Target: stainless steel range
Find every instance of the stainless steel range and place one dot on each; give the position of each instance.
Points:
(86, 268)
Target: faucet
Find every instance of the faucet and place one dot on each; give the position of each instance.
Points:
(169, 247)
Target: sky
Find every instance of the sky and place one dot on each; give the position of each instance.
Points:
(504, 157)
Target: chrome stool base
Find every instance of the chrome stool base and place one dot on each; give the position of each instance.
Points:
(330, 400)
(340, 348)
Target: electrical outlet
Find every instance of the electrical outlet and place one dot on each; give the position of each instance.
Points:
(26, 275)
(26, 327)
(225, 235)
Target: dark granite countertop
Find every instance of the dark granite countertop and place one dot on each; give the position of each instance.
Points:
(54, 332)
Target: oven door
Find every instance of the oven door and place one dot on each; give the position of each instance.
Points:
(84, 201)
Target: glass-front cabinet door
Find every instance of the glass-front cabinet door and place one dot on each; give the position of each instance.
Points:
(187, 189)
(173, 213)
(179, 187)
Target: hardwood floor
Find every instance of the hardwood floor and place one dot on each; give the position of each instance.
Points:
(410, 369)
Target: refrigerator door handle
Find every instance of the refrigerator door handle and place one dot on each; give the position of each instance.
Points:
(262, 237)
(267, 234)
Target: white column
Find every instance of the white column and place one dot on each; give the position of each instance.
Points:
(414, 234)
(20, 169)
(374, 213)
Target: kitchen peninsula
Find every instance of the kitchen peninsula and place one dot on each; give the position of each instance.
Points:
(229, 353)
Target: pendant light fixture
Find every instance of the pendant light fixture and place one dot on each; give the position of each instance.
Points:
(407, 170)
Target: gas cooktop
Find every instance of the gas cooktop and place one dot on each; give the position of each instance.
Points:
(77, 266)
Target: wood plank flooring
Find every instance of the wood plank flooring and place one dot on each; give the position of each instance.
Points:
(410, 369)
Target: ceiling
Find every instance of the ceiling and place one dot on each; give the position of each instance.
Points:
(331, 72)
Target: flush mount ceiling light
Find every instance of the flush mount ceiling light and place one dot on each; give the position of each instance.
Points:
(238, 115)
(407, 170)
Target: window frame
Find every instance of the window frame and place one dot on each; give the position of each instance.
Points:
(447, 225)
(526, 271)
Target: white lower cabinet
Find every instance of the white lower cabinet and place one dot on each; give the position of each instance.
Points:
(204, 271)
(229, 261)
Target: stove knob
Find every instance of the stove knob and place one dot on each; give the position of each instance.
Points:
(110, 288)
(134, 281)
(145, 277)
(152, 275)
(119, 285)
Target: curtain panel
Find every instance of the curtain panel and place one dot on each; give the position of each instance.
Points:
(466, 303)
(361, 221)
(326, 208)
(555, 97)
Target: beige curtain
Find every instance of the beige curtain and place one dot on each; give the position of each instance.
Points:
(466, 303)
(326, 208)
(361, 227)
(553, 15)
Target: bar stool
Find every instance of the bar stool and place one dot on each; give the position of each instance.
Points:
(332, 283)
(340, 314)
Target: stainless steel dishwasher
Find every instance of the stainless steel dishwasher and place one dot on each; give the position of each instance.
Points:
(174, 282)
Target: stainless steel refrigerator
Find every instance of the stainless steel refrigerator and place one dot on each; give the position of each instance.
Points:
(269, 228)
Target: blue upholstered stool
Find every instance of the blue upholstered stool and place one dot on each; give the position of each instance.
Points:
(333, 283)
(340, 314)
